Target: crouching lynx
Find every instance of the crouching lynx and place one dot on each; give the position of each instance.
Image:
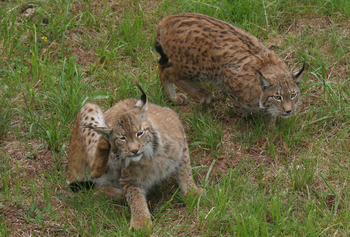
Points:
(196, 48)
(127, 150)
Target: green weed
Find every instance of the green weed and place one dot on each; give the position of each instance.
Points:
(204, 127)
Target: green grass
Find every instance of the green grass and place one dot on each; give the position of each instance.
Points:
(202, 126)
(288, 182)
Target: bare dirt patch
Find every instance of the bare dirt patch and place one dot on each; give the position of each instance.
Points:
(83, 57)
(34, 216)
(29, 162)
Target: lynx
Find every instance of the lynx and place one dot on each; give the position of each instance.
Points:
(197, 48)
(128, 149)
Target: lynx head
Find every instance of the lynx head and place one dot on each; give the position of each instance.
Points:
(280, 93)
(131, 135)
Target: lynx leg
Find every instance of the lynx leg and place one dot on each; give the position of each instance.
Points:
(97, 148)
(272, 124)
(238, 109)
(87, 152)
(196, 91)
(184, 175)
(161, 69)
(113, 193)
(100, 160)
(166, 79)
(136, 198)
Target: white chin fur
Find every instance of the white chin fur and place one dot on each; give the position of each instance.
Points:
(285, 116)
(136, 158)
(148, 153)
(261, 105)
(133, 158)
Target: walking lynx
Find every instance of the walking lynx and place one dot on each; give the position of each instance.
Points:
(127, 150)
(197, 48)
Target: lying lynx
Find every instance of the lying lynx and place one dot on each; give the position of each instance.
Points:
(140, 145)
(196, 48)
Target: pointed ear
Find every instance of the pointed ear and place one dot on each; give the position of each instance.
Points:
(104, 131)
(142, 103)
(265, 82)
(297, 75)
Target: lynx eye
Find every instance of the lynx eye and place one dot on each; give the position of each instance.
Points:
(122, 138)
(293, 95)
(139, 134)
(278, 97)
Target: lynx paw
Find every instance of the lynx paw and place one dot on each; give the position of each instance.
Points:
(272, 124)
(207, 99)
(195, 192)
(198, 191)
(180, 99)
(112, 193)
(145, 223)
(103, 144)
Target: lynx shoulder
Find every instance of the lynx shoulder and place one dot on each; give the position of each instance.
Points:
(126, 150)
(196, 48)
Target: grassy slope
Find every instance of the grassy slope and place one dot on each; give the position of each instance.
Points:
(287, 182)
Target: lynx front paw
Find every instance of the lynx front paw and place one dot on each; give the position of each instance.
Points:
(145, 223)
(103, 144)
(112, 193)
(180, 99)
(272, 124)
(198, 191)
(100, 161)
(207, 99)
(195, 192)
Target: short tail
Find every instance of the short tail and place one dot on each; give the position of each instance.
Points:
(163, 58)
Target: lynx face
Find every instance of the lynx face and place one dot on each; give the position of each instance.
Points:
(132, 142)
(132, 136)
(280, 99)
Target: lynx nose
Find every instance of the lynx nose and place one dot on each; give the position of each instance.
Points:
(288, 111)
(134, 151)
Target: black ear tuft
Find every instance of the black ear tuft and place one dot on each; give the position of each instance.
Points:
(88, 126)
(104, 131)
(298, 75)
(142, 103)
(143, 96)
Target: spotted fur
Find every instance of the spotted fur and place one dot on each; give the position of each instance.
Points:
(197, 48)
(128, 149)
